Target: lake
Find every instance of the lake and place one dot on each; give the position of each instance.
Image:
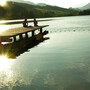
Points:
(62, 62)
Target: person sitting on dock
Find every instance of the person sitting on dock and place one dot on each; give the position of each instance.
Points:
(25, 23)
(35, 22)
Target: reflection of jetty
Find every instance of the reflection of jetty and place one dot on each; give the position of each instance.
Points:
(12, 33)
(17, 47)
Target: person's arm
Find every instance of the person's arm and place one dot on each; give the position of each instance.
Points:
(27, 23)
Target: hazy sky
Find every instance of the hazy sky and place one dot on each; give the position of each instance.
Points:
(62, 3)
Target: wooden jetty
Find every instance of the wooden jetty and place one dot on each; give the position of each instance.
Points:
(12, 33)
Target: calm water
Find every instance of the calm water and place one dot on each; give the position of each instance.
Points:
(59, 63)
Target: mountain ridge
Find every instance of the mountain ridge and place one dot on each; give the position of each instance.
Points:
(18, 10)
(87, 6)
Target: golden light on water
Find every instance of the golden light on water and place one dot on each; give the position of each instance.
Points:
(3, 28)
(2, 2)
(4, 63)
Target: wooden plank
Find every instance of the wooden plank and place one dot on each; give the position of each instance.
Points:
(20, 30)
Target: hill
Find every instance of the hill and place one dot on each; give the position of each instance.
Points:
(87, 6)
(22, 1)
(18, 10)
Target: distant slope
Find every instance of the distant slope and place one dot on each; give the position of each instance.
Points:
(22, 1)
(18, 10)
(42, 4)
(85, 7)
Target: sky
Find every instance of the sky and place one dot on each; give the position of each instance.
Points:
(62, 3)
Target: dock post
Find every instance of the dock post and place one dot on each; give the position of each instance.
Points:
(40, 30)
(21, 37)
(32, 33)
(26, 35)
(14, 37)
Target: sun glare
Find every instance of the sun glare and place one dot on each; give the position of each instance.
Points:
(2, 2)
(4, 63)
(3, 28)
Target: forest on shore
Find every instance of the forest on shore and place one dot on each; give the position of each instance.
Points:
(21, 10)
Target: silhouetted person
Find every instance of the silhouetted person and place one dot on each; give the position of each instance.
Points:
(35, 22)
(25, 23)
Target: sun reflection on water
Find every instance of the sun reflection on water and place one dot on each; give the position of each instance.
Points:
(3, 28)
(5, 63)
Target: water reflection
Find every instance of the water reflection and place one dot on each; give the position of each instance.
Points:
(12, 79)
(15, 49)
(61, 63)
(5, 72)
(4, 63)
(3, 28)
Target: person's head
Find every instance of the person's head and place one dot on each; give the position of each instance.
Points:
(25, 19)
(34, 18)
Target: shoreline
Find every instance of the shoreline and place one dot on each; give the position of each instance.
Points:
(17, 22)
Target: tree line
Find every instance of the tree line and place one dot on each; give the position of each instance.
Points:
(21, 10)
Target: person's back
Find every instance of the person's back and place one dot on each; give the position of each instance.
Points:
(35, 22)
(25, 23)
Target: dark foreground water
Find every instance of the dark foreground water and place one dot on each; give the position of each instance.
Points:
(60, 63)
